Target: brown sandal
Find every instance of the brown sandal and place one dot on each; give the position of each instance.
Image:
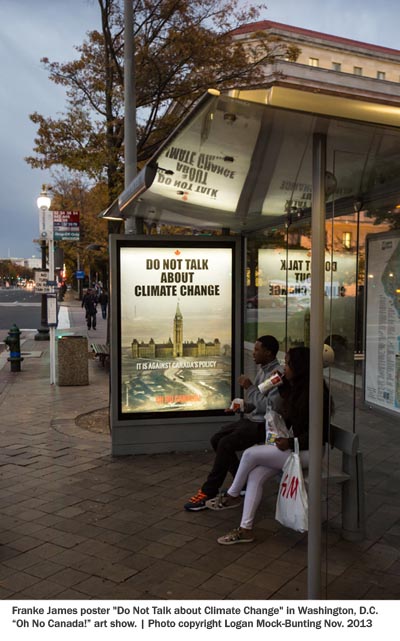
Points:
(222, 502)
(235, 536)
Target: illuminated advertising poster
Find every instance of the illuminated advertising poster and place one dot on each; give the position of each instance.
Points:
(382, 322)
(176, 328)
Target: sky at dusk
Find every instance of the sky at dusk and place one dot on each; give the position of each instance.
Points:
(30, 31)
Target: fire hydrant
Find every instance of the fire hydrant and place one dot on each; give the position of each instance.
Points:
(13, 343)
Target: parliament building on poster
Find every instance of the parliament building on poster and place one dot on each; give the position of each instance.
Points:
(176, 347)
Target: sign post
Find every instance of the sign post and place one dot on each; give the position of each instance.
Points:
(46, 283)
(51, 302)
(53, 226)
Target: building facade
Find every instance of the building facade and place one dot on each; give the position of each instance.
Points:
(330, 52)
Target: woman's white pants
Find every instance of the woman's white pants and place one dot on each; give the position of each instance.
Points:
(257, 464)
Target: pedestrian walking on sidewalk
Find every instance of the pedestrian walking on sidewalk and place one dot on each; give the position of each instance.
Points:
(103, 302)
(89, 302)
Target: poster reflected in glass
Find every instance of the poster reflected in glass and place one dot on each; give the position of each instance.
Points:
(176, 327)
(382, 322)
(283, 297)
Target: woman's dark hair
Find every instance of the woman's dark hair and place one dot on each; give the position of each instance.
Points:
(296, 392)
(298, 358)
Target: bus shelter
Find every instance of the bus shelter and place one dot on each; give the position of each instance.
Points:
(286, 201)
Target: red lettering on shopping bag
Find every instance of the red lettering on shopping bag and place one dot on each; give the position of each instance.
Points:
(289, 488)
(293, 487)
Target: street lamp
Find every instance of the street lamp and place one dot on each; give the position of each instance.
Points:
(43, 202)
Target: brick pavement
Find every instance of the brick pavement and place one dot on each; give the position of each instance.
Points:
(76, 523)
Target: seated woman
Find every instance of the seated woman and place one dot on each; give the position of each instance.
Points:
(261, 462)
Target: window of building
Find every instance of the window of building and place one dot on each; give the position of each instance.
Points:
(337, 66)
(357, 71)
(380, 75)
(346, 239)
(313, 62)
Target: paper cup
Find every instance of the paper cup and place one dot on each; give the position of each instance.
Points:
(237, 405)
(269, 383)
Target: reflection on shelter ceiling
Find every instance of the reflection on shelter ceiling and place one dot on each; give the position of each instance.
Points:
(243, 165)
(208, 162)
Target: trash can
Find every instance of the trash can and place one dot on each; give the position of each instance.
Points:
(73, 367)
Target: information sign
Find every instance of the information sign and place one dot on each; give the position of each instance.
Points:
(382, 322)
(41, 282)
(66, 225)
(45, 224)
(52, 316)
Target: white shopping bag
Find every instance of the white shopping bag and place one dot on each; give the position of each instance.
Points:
(275, 427)
(292, 501)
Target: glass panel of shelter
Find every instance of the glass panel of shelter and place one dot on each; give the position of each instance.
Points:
(363, 198)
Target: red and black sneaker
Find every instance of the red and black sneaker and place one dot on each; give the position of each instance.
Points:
(197, 502)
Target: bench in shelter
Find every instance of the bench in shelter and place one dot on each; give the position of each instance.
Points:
(102, 351)
(349, 473)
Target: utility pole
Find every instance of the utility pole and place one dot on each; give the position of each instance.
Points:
(130, 107)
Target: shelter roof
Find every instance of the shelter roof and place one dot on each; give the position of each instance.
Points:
(243, 161)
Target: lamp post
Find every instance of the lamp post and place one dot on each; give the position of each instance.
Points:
(47, 233)
(43, 202)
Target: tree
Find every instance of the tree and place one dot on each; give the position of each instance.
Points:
(183, 47)
(75, 194)
(8, 271)
(11, 272)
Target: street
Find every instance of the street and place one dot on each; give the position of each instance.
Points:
(21, 307)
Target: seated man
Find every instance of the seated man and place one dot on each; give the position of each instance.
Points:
(244, 433)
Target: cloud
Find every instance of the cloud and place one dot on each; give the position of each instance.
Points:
(363, 20)
(30, 31)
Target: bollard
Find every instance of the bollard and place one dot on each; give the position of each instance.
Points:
(13, 343)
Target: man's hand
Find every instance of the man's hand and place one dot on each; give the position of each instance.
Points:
(244, 381)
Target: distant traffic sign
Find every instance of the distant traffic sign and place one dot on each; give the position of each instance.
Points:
(41, 282)
(79, 275)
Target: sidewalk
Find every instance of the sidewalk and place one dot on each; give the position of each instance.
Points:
(76, 523)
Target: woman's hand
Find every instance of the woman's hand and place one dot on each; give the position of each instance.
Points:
(282, 444)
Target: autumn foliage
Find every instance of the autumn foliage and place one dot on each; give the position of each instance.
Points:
(182, 48)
